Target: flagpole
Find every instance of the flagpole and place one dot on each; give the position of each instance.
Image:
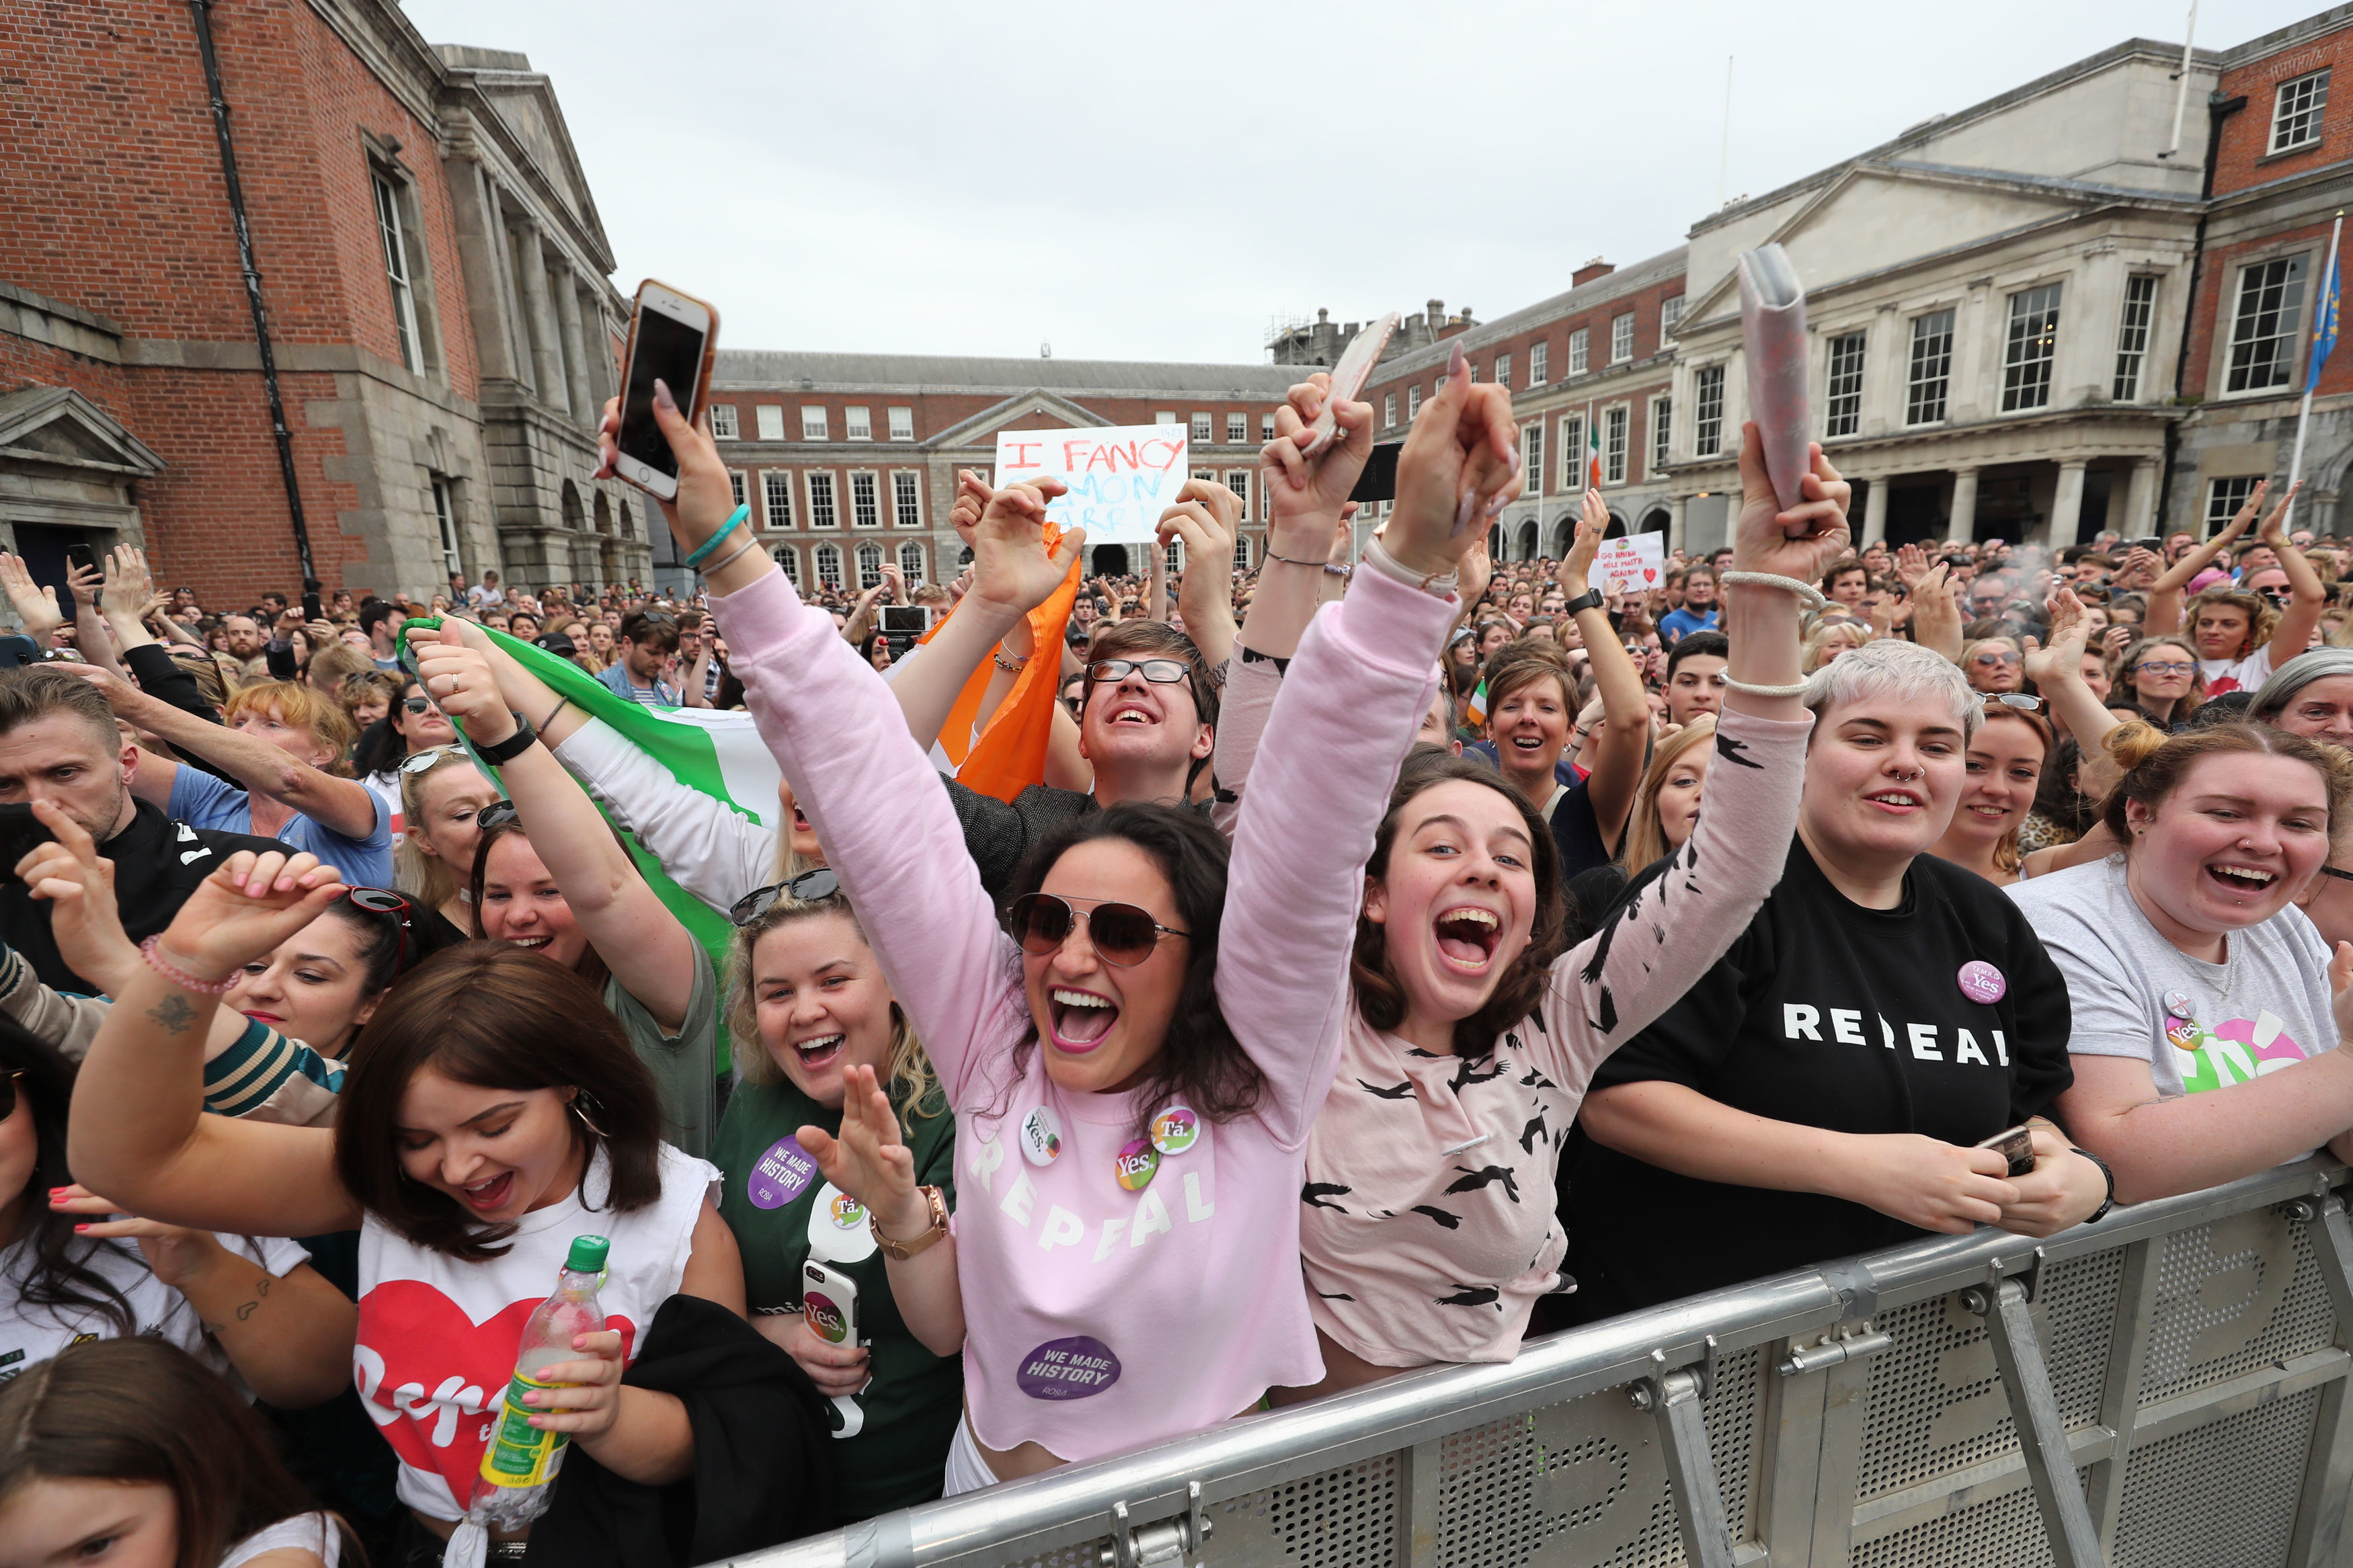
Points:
(2323, 300)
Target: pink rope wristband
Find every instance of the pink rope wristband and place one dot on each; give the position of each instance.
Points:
(149, 950)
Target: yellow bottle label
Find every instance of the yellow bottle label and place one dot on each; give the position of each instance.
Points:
(520, 1454)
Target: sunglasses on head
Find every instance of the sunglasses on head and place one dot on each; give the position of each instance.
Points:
(2018, 700)
(384, 901)
(498, 814)
(1121, 933)
(430, 757)
(806, 888)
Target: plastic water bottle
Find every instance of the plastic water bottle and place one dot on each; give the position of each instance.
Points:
(517, 1479)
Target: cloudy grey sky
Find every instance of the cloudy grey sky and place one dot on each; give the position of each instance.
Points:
(1158, 181)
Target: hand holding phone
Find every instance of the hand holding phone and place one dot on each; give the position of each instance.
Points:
(829, 1307)
(674, 338)
(2015, 1144)
(1348, 378)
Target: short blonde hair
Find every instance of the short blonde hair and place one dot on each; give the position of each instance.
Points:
(304, 707)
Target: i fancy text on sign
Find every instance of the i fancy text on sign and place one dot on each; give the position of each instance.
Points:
(1119, 480)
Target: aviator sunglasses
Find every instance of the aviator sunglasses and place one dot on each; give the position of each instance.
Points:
(1121, 933)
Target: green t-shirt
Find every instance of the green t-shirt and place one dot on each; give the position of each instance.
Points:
(684, 1066)
(783, 1211)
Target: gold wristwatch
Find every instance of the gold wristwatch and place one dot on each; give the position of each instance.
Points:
(936, 1228)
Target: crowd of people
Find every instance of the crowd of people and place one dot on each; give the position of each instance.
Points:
(1812, 900)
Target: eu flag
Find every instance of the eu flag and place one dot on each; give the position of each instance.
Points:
(2323, 326)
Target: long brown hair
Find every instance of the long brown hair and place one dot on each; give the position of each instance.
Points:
(2155, 764)
(137, 1411)
(2007, 856)
(495, 1016)
(591, 966)
(1645, 840)
(1378, 996)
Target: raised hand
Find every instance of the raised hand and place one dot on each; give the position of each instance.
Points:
(35, 605)
(79, 886)
(869, 1160)
(1206, 516)
(83, 583)
(245, 909)
(128, 583)
(1012, 572)
(1304, 494)
(1461, 467)
(1576, 567)
(705, 498)
(173, 1253)
(2064, 655)
(2271, 532)
(1802, 542)
(972, 498)
(454, 666)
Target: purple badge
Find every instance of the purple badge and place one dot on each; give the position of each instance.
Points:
(1982, 982)
(1075, 1368)
(783, 1174)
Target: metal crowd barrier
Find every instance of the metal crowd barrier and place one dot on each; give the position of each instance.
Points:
(2165, 1387)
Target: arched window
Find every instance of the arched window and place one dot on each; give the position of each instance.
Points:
(911, 563)
(1242, 552)
(870, 566)
(828, 565)
(1176, 556)
(789, 559)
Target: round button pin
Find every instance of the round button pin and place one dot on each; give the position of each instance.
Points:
(1982, 982)
(1042, 1136)
(1176, 1130)
(2179, 1006)
(1137, 1163)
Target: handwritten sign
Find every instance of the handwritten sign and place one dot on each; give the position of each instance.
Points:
(1635, 565)
(1120, 477)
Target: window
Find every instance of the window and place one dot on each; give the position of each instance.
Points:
(1388, 411)
(2296, 111)
(1670, 310)
(735, 483)
(1532, 453)
(1708, 409)
(1266, 426)
(1537, 354)
(2224, 499)
(771, 419)
(396, 271)
(1613, 445)
(812, 424)
(446, 517)
(1932, 368)
(828, 565)
(1472, 369)
(821, 512)
(1663, 424)
(1843, 417)
(2265, 328)
(1164, 417)
(1572, 454)
(1242, 552)
(788, 560)
(857, 424)
(911, 563)
(1200, 429)
(902, 424)
(1412, 401)
(1578, 341)
(907, 498)
(870, 566)
(1621, 338)
(1238, 481)
(2132, 335)
(1236, 429)
(777, 489)
(1503, 370)
(865, 508)
(722, 421)
(2032, 345)
(1176, 557)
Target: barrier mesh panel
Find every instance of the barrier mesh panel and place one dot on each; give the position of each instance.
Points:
(2241, 1293)
(1089, 1555)
(2006, 1532)
(2222, 1493)
(1936, 1403)
(1736, 1432)
(1342, 1519)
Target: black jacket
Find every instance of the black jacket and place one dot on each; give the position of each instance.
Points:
(762, 1455)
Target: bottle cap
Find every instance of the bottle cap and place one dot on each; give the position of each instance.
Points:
(587, 1255)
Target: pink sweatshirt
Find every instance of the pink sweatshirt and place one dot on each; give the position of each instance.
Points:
(1098, 1317)
(1426, 1229)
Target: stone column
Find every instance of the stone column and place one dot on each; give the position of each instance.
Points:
(1875, 512)
(1676, 506)
(1975, 390)
(1963, 525)
(575, 360)
(2140, 501)
(512, 318)
(479, 260)
(2067, 506)
(547, 354)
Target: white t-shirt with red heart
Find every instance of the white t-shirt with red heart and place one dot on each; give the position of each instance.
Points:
(438, 1336)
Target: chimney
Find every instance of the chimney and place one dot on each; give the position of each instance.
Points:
(1597, 268)
(1463, 322)
(1437, 319)
(1325, 339)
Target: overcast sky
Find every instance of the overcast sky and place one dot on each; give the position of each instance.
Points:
(1159, 182)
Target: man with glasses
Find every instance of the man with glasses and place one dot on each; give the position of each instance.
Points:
(649, 642)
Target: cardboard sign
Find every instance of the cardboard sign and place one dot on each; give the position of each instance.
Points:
(1634, 564)
(1120, 477)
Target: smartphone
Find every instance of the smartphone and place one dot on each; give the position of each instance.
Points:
(2017, 1146)
(18, 650)
(310, 610)
(906, 620)
(672, 338)
(1348, 378)
(828, 1299)
(1378, 481)
(82, 558)
(19, 831)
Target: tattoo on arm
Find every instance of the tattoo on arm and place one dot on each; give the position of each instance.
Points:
(260, 1289)
(175, 1014)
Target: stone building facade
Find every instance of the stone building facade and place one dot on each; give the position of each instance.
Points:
(132, 396)
(848, 460)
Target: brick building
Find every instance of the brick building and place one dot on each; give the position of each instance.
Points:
(850, 460)
(434, 274)
(2283, 166)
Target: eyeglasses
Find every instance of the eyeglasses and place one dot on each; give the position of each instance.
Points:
(2016, 699)
(498, 814)
(1121, 933)
(1995, 656)
(806, 888)
(2168, 666)
(1159, 671)
(384, 901)
(416, 704)
(2278, 596)
(431, 757)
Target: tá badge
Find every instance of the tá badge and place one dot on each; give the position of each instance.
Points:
(1176, 1130)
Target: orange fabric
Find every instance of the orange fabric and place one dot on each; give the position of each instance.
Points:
(1011, 754)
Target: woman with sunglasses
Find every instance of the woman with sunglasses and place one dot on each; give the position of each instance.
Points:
(552, 878)
(1994, 665)
(412, 725)
(1130, 1107)
(808, 1009)
(442, 798)
(2160, 677)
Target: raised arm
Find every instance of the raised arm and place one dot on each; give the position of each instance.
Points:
(649, 951)
(2165, 596)
(1619, 745)
(1207, 517)
(716, 854)
(346, 806)
(36, 605)
(2307, 596)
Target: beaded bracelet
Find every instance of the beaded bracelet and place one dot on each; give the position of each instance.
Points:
(150, 951)
(734, 521)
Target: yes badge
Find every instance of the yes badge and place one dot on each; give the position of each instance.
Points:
(1982, 982)
(1042, 1136)
(1137, 1163)
(837, 1231)
(1176, 1130)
